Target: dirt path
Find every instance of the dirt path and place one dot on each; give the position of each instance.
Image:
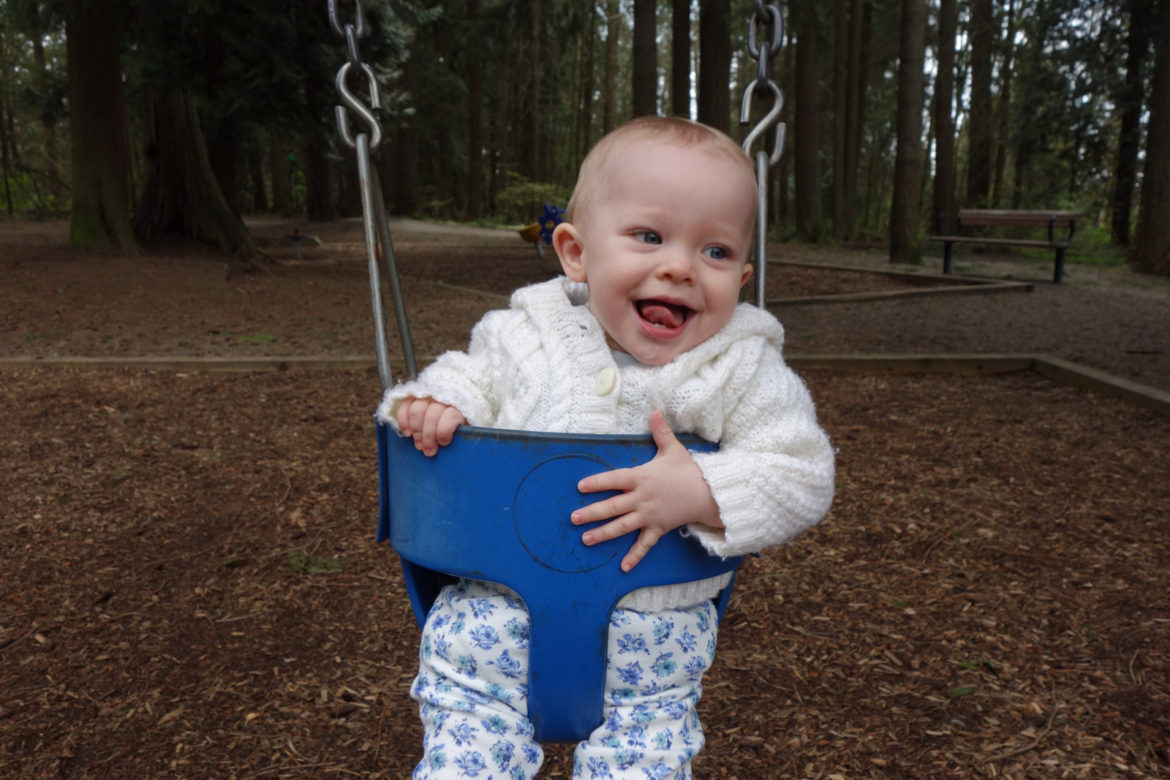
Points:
(58, 302)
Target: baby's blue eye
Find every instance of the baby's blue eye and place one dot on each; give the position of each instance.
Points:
(648, 237)
(716, 252)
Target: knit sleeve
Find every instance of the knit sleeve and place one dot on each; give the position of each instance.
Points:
(773, 476)
(465, 380)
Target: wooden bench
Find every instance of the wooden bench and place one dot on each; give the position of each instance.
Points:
(1063, 221)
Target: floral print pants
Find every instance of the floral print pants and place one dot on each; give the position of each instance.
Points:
(472, 687)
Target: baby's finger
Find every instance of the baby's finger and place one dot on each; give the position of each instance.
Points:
(430, 427)
(646, 540)
(623, 525)
(451, 419)
(618, 479)
(416, 413)
(614, 506)
(403, 416)
(663, 436)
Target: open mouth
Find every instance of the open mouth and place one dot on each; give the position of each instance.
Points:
(663, 314)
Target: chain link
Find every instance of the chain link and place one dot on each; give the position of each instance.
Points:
(764, 86)
(761, 89)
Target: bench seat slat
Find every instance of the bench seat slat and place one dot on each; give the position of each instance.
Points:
(999, 241)
(993, 218)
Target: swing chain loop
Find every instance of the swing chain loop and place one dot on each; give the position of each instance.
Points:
(765, 15)
(359, 24)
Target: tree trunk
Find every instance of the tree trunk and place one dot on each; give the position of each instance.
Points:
(1003, 113)
(715, 63)
(645, 80)
(1151, 250)
(320, 194)
(320, 203)
(584, 123)
(405, 178)
(259, 189)
(48, 143)
(860, 22)
(1129, 103)
(680, 58)
(944, 207)
(806, 165)
(181, 196)
(904, 245)
(282, 185)
(841, 44)
(613, 18)
(474, 113)
(6, 110)
(532, 101)
(979, 121)
(101, 194)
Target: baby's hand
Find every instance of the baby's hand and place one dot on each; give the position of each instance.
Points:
(431, 424)
(656, 497)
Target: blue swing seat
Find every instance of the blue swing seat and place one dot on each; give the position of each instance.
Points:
(494, 505)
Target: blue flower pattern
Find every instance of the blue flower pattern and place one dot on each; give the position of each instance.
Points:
(472, 692)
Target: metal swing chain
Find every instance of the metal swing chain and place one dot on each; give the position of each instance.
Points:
(377, 228)
(762, 88)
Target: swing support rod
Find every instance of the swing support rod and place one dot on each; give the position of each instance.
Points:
(761, 89)
(379, 247)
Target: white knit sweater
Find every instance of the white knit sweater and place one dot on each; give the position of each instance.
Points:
(543, 364)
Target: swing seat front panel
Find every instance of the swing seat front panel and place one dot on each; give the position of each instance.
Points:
(494, 505)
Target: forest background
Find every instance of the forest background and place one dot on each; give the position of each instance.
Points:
(144, 120)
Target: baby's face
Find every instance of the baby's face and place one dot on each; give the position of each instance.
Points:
(662, 243)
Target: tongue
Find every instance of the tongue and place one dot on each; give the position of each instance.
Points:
(667, 315)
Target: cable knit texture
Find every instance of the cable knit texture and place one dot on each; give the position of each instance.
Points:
(535, 365)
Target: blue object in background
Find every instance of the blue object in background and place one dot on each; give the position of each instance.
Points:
(549, 219)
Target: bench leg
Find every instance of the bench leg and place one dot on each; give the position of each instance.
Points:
(947, 257)
(1058, 274)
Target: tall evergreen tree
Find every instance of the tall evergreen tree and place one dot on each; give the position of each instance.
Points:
(806, 163)
(680, 58)
(645, 84)
(904, 244)
(979, 119)
(1151, 250)
(100, 217)
(1141, 17)
(715, 63)
(944, 120)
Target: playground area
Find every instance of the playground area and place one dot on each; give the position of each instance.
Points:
(192, 588)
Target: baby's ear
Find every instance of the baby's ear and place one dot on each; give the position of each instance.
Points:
(567, 243)
(746, 274)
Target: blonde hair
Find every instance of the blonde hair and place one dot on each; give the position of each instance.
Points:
(670, 130)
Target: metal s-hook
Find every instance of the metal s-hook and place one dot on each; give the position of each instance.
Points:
(365, 113)
(772, 118)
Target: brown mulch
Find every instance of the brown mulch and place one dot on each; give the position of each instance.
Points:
(191, 588)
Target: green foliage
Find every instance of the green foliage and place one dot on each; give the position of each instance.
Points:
(258, 338)
(522, 201)
(24, 193)
(1092, 245)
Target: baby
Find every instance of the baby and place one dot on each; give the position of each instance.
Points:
(644, 331)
